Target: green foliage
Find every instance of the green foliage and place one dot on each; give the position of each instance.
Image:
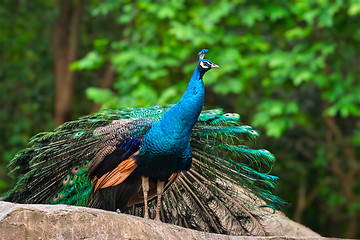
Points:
(91, 61)
(26, 92)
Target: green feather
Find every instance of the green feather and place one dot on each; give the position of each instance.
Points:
(55, 167)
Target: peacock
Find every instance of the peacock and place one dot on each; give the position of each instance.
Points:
(178, 164)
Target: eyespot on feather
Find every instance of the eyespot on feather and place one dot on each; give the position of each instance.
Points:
(232, 115)
(253, 132)
(78, 134)
(264, 151)
(85, 165)
(75, 169)
(55, 199)
(66, 180)
(72, 179)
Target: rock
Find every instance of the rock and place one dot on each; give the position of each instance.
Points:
(62, 222)
(279, 225)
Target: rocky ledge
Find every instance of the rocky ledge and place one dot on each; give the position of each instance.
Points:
(62, 222)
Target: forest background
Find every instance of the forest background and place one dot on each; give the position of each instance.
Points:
(290, 68)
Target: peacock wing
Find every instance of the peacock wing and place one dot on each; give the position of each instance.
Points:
(56, 166)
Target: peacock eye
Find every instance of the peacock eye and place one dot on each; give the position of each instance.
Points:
(204, 64)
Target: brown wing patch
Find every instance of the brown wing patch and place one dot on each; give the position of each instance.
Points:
(117, 175)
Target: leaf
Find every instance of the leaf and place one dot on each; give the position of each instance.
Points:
(279, 59)
(98, 95)
(276, 108)
(229, 86)
(297, 33)
(302, 76)
(326, 16)
(168, 94)
(331, 111)
(276, 13)
(354, 8)
(349, 109)
(356, 137)
(292, 107)
(310, 15)
(261, 118)
(101, 45)
(91, 61)
(250, 15)
(276, 127)
(105, 7)
(165, 12)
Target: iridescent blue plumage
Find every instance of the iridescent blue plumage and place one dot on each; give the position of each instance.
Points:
(166, 147)
(117, 159)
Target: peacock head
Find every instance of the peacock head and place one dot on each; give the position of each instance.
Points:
(204, 64)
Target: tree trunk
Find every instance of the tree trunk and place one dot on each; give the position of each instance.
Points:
(65, 46)
(107, 82)
(344, 171)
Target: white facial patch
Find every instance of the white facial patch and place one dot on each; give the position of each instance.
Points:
(202, 64)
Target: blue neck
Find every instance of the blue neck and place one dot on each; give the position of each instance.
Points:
(180, 119)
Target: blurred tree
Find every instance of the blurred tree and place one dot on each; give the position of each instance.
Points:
(27, 76)
(26, 92)
(289, 67)
(65, 46)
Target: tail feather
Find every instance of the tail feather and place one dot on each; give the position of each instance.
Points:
(195, 202)
(223, 192)
(225, 189)
(225, 204)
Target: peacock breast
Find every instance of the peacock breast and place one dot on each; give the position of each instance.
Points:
(161, 154)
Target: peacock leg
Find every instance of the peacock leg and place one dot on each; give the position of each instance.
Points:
(159, 190)
(145, 187)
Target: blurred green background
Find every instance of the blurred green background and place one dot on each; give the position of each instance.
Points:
(290, 68)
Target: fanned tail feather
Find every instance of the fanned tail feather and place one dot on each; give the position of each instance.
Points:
(41, 168)
(224, 190)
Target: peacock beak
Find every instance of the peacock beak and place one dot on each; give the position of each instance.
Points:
(214, 66)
